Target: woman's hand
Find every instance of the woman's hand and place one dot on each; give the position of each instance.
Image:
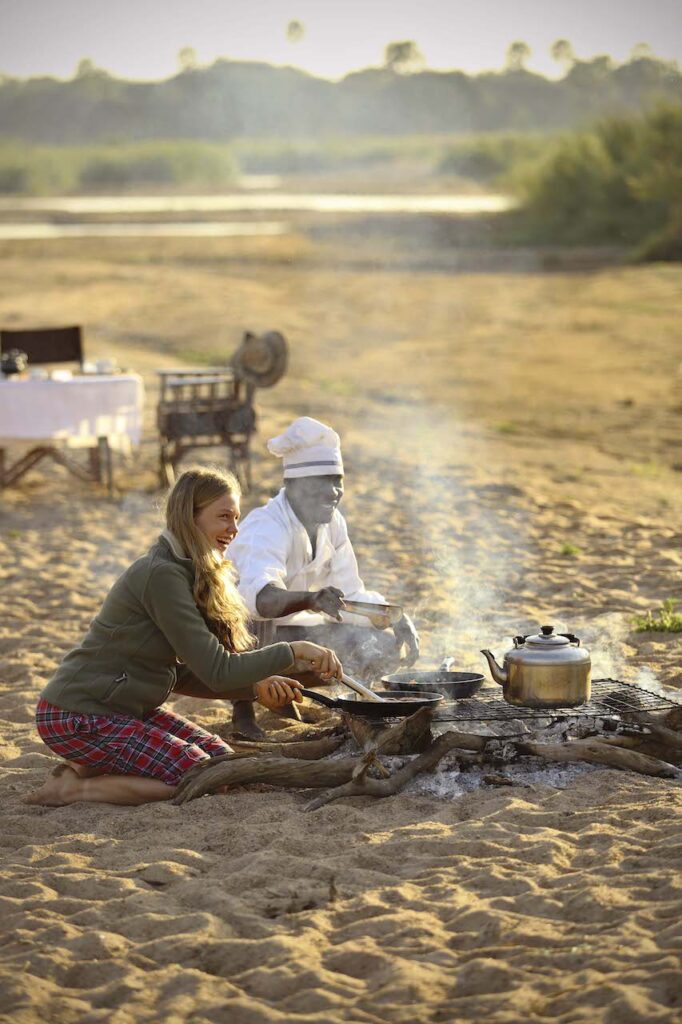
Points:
(276, 691)
(317, 659)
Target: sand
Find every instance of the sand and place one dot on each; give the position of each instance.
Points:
(512, 444)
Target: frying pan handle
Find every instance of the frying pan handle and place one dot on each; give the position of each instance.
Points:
(320, 698)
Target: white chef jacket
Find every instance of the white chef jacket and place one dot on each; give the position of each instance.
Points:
(272, 546)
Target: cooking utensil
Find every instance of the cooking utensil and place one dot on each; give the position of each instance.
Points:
(453, 685)
(361, 689)
(380, 615)
(389, 707)
(548, 670)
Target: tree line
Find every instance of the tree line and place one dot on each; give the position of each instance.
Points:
(229, 100)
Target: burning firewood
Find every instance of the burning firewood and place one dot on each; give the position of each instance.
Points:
(306, 763)
(599, 751)
(389, 787)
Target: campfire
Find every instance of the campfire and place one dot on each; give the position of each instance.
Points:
(622, 726)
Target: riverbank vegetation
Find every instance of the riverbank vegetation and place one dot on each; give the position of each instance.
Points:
(176, 164)
(617, 184)
(620, 183)
(184, 164)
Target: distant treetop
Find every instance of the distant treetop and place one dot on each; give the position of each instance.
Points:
(231, 99)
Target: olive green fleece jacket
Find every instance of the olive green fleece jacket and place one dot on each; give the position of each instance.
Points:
(127, 663)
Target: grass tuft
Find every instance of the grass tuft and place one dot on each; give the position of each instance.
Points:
(665, 620)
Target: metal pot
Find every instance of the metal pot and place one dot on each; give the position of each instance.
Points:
(548, 670)
(452, 685)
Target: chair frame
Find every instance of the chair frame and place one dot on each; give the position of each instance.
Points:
(46, 344)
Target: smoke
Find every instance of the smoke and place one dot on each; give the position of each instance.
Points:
(470, 547)
(462, 537)
(475, 552)
(646, 678)
(606, 636)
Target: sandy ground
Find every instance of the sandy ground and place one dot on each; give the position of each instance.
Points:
(512, 444)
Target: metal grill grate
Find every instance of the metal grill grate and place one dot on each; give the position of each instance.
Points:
(609, 697)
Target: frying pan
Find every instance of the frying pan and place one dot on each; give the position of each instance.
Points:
(390, 707)
(380, 615)
(453, 685)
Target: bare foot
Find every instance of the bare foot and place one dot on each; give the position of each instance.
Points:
(63, 787)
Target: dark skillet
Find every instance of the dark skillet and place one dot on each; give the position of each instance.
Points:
(453, 685)
(392, 707)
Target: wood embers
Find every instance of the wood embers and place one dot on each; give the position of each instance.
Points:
(641, 742)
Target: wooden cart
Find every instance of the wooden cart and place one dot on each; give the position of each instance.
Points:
(202, 408)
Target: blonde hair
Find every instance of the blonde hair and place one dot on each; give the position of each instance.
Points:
(214, 590)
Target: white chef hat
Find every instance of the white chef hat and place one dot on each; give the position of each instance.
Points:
(308, 448)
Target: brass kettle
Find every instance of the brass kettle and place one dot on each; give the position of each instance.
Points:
(548, 670)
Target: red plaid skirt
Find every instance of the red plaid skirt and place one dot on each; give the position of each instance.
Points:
(162, 746)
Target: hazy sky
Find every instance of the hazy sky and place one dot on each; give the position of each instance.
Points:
(141, 38)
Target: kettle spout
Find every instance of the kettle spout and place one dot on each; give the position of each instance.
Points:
(498, 674)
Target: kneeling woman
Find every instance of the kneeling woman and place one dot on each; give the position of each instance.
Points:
(173, 622)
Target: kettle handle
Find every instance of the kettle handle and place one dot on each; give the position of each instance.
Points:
(520, 640)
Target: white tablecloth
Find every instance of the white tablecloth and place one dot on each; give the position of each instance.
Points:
(75, 412)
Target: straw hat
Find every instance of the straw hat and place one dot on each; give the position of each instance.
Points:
(261, 359)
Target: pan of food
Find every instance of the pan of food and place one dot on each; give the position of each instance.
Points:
(380, 615)
(389, 706)
(453, 685)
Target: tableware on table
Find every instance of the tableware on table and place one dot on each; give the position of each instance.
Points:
(13, 362)
(105, 365)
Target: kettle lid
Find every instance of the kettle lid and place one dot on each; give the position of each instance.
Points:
(548, 638)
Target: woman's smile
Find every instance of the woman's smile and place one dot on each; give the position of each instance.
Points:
(219, 521)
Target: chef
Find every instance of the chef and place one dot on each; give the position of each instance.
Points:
(296, 564)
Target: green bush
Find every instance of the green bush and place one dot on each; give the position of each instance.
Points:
(485, 158)
(41, 169)
(180, 163)
(26, 170)
(113, 172)
(332, 154)
(620, 183)
(14, 179)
